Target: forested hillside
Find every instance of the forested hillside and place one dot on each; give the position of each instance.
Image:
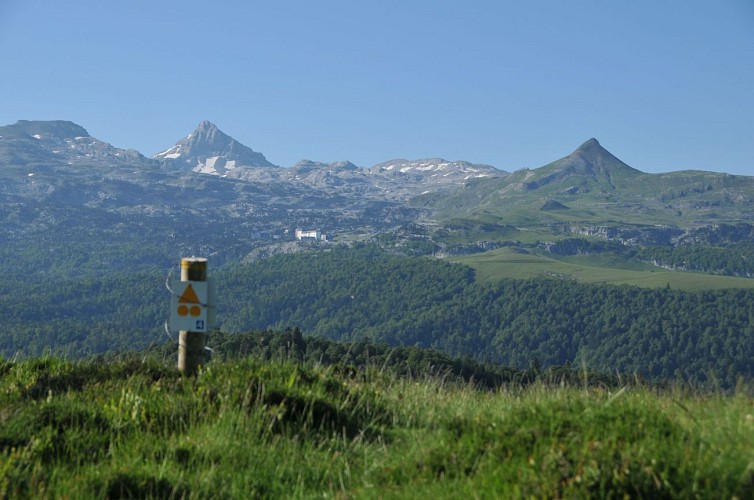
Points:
(78, 316)
(695, 336)
(367, 294)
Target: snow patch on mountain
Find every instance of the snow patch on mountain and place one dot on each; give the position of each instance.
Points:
(216, 165)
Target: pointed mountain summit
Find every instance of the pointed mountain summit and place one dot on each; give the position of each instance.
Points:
(591, 157)
(208, 150)
(590, 163)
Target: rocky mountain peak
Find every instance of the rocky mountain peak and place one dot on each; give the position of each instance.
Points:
(207, 133)
(592, 149)
(207, 149)
(592, 157)
(591, 145)
(206, 125)
(590, 163)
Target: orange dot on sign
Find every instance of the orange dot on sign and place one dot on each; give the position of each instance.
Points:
(195, 311)
(183, 310)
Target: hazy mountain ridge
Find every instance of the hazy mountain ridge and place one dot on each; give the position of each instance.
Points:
(596, 187)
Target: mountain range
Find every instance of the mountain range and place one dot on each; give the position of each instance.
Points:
(65, 147)
(88, 230)
(49, 167)
(591, 187)
(208, 150)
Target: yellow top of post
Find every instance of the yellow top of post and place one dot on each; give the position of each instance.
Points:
(194, 269)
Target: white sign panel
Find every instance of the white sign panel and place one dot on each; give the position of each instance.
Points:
(188, 306)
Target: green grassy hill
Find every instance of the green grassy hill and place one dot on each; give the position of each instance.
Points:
(250, 428)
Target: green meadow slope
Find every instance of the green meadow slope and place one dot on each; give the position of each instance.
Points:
(521, 264)
(251, 428)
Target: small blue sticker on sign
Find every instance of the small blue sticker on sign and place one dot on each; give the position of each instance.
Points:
(200, 325)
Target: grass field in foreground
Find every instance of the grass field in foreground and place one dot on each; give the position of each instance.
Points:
(508, 263)
(252, 429)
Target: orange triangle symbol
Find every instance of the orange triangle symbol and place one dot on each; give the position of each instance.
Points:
(189, 296)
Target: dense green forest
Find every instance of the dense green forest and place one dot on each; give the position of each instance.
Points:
(368, 294)
(736, 259)
(349, 295)
(80, 316)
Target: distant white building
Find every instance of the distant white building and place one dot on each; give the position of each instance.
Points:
(309, 235)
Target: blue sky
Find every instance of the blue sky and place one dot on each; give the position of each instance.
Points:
(664, 85)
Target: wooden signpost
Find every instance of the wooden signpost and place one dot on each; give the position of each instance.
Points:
(192, 313)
